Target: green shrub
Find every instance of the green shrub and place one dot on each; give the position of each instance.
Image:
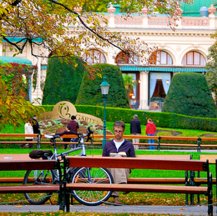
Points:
(63, 80)
(162, 119)
(189, 95)
(90, 92)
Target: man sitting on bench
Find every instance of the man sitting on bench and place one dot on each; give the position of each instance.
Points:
(119, 147)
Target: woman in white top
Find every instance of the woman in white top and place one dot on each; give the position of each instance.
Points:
(28, 130)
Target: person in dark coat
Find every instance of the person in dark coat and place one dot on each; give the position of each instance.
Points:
(119, 147)
(135, 129)
(35, 125)
(71, 128)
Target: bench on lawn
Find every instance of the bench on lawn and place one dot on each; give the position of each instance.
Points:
(19, 139)
(156, 180)
(207, 143)
(139, 163)
(131, 180)
(212, 158)
(9, 165)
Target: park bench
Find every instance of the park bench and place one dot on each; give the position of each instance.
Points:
(133, 180)
(207, 143)
(161, 142)
(19, 139)
(12, 165)
(212, 158)
(140, 163)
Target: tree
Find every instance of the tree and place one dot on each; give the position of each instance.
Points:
(211, 74)
(90, 92)
(14, 109)
(63, 80)
(189, 94)
(46, 23)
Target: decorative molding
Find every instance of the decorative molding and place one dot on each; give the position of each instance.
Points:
(171, 33)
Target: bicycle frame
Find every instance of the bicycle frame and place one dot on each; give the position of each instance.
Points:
(82, 147)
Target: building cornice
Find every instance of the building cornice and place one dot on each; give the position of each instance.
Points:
(160, 32)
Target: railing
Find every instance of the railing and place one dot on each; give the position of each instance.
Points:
(160, 142)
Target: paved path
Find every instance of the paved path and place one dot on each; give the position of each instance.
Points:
(174, 210)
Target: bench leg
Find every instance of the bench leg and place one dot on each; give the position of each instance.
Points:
(192, 199)
(186, 199)
(210, 201)
(67, 200)
(61, 200)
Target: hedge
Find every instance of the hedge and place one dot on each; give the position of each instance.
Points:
(162, 119)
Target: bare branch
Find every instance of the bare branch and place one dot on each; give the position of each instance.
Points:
(86, 26)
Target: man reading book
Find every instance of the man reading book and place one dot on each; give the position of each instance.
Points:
(119, 147)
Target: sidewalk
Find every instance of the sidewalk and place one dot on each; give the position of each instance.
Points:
(173, 210)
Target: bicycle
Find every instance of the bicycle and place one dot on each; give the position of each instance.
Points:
(83, 174)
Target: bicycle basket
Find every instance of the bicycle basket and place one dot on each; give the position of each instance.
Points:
(36, 154)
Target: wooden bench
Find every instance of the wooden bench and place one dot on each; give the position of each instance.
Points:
(207, 142)
(212, 158)
(161, 142)
(131, 180)
(140, 163)
(9, 165)
(19, 139)
(156, 180)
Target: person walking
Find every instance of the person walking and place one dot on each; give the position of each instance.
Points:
(36, 129)
(119, 147)
(150, 131)
(28, 129)
(135, 129)
(35, 125)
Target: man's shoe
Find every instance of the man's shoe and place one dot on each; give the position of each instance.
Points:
(117, 202)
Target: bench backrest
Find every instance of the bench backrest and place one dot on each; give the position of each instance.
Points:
(167, 157)
(28, 165)
(211, 158)
(137, 163)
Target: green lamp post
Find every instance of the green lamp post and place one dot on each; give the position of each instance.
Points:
(104, 90)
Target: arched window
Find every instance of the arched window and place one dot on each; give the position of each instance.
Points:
(124, 58)
(193, 58)
(94, 56)
(160, 57)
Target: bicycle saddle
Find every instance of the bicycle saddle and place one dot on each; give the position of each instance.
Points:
(44, 154)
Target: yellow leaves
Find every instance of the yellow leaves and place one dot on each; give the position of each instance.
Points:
(66, 30)
(14, 109)
(99, 75)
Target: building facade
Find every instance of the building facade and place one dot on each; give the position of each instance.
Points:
(184, 49)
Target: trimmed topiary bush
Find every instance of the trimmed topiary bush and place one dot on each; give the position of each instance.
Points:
(63, 80)
(90, 92)
(189, 94)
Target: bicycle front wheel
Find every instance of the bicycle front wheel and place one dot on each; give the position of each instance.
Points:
(92, 176)
(38, 177)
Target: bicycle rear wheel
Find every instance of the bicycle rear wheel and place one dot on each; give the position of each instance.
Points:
(38, 177)
(92, 176)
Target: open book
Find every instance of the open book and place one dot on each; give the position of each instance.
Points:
(122, 154)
